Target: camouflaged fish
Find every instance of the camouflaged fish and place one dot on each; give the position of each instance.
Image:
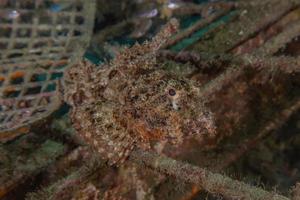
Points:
(133, 102)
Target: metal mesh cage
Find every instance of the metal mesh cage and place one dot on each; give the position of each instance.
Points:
(37, 39)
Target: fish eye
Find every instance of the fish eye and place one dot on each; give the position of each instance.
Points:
(172, 92)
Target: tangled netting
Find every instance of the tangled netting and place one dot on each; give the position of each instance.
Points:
(37, 40)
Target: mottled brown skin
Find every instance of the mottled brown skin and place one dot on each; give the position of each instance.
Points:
(132, 102)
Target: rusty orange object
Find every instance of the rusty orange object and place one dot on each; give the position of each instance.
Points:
(17, 74)
(192, 194)
(8, 135)
(9, 89)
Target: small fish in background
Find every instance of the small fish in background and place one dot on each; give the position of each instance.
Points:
(155, 9)
(168, 6)
(143, 22)
(141, 27)
(149, 14)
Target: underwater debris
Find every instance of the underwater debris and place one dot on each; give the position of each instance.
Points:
(27, 161)
(134, 102)
(36, 42)
(242, 95)
(215, 183)
(239, 35)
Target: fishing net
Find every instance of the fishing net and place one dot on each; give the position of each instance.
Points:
(38, 38)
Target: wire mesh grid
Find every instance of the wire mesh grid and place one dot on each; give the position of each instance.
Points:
(37, 40)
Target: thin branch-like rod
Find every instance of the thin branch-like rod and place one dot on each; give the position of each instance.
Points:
(220, 82)
(282, 8)
(193, 57)
(64, 188)
(40, 159)
(245, 4)
(197, 26)
(273, 125)
(274, 44)
(201, 61)
(284, 64)
(212, 182)
(193, 8)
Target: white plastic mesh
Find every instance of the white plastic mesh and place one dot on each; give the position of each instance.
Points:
(37, 39)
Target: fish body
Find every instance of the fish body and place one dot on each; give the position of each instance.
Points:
(133, 102)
